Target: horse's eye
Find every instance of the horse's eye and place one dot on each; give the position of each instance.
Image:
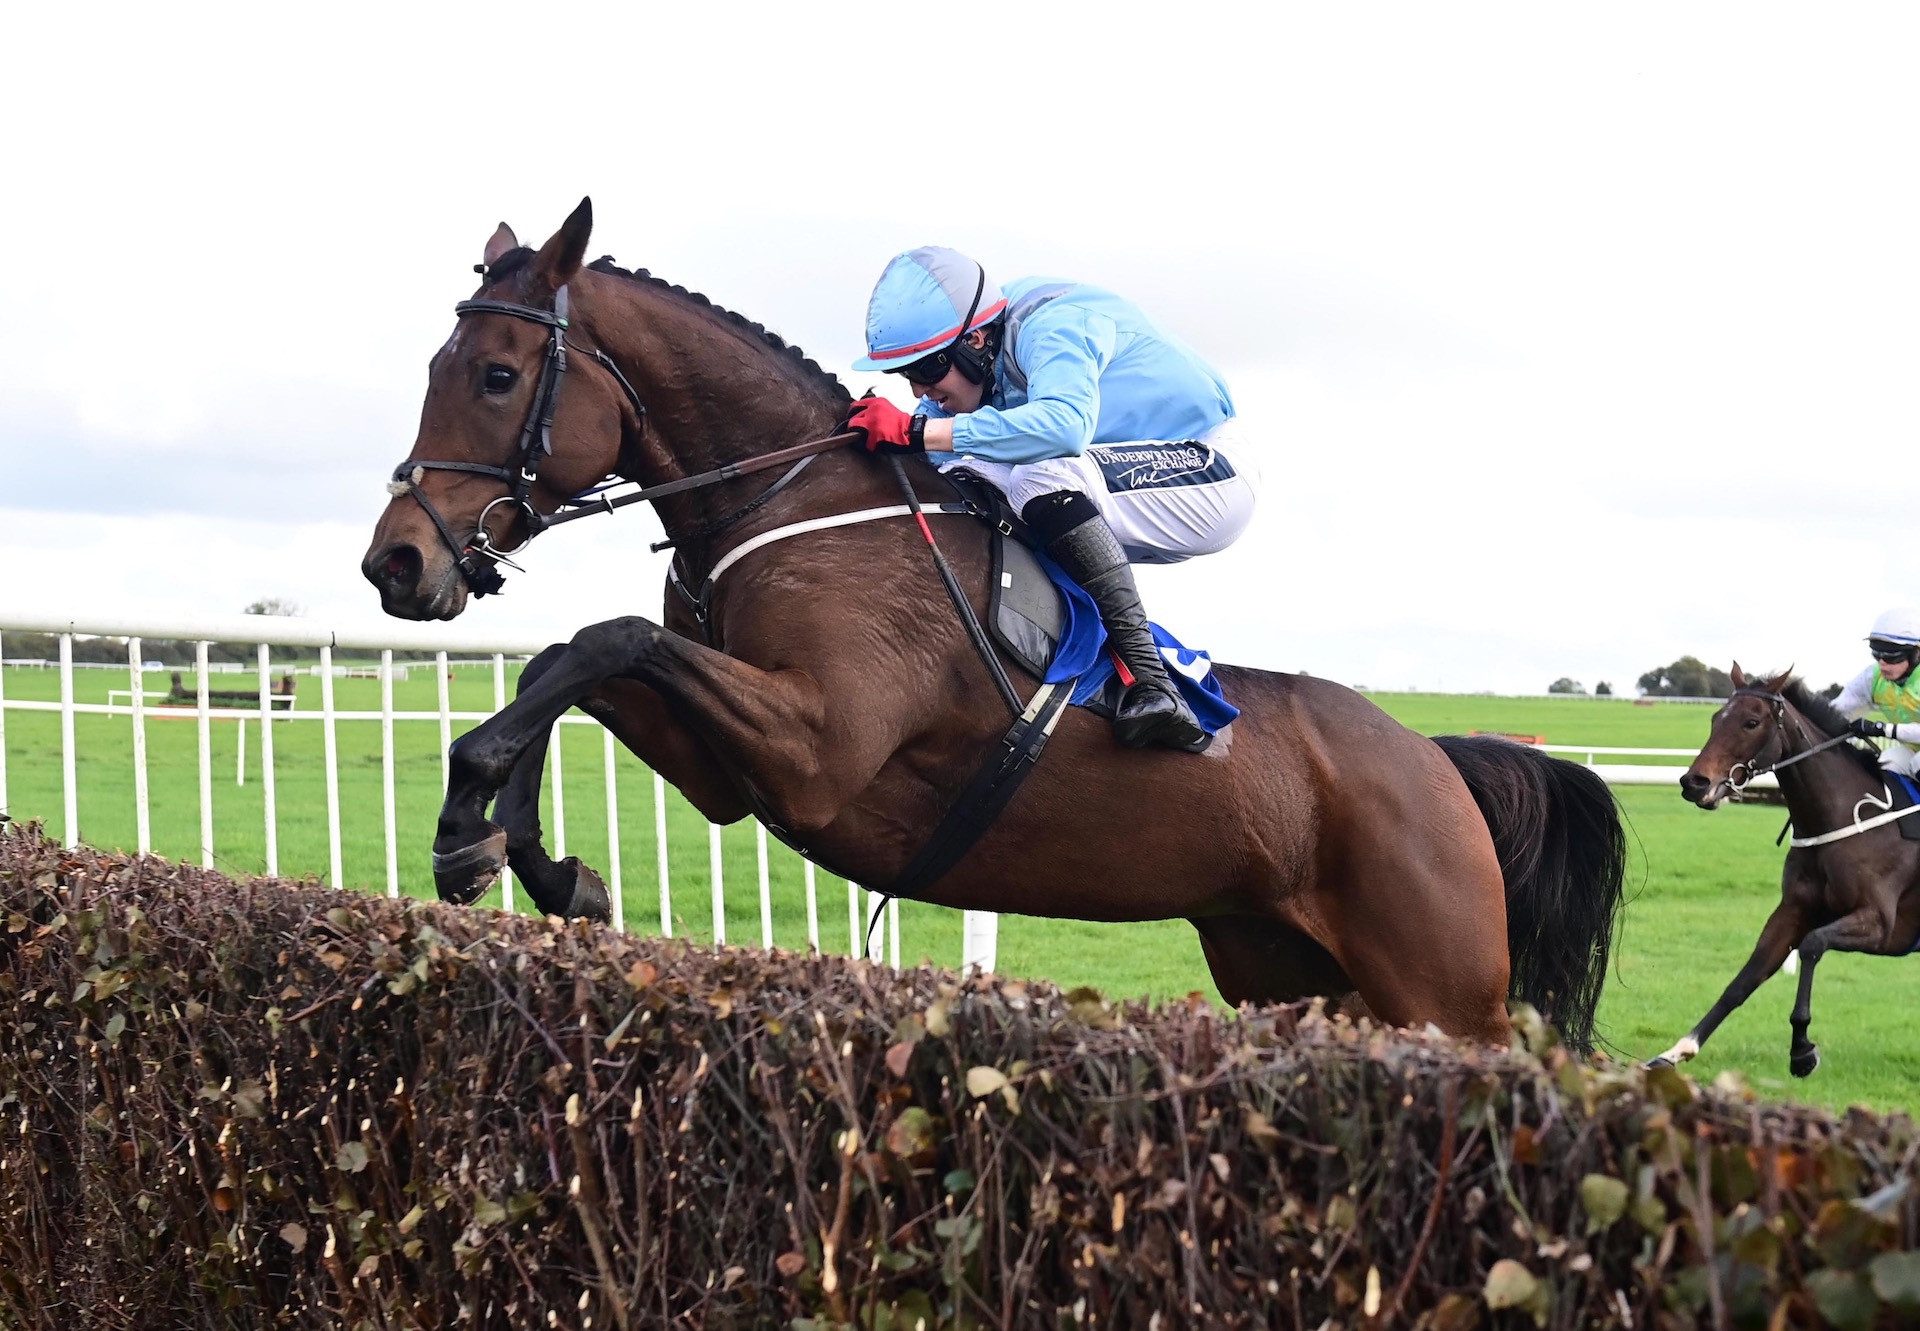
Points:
(1750, 724)
(499, 378)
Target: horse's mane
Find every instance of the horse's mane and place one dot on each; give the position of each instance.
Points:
(809, 369)
(1828, 720)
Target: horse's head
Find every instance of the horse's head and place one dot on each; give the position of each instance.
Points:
(1748, 732)
(500, 442)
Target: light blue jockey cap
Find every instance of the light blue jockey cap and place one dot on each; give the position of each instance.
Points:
(920, 303)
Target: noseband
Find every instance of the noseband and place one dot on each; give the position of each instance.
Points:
(536, 445)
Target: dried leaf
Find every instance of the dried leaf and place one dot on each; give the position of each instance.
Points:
(351, 1158)
(1603, 1198)
(983, 1081)
(295, 1236)
(1509, 1285)
(898, 1057)
(790, 1264)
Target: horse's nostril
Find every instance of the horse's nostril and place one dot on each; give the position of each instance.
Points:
(396, 565)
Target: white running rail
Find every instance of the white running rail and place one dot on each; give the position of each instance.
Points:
(979, 929)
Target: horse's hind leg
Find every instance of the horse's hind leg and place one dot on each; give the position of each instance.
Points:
(1416, 915)
(1258, 960)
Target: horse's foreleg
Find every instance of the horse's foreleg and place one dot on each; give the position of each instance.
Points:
(699, 709)
(636, 716)
(1783, 929)
(1863, 931)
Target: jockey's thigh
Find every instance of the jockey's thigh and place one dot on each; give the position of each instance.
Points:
(1165, 500)
(1901, 758)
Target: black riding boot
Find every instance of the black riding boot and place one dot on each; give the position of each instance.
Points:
(1152, 712)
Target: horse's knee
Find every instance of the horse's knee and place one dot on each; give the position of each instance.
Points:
(531, 672)
(614, 644)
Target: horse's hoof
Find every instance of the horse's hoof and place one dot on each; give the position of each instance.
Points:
(1804, 1061)
(462, 875)
(590, 900)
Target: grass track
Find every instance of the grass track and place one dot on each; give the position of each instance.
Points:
(1701, 883)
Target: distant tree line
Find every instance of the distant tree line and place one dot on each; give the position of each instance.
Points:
(1688, 677)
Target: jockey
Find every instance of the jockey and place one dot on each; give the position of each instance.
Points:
(1889, 687)
(1115, 443)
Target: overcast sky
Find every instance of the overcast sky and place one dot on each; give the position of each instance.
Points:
(1575, 338)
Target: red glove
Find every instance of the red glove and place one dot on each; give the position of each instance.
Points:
(887, 428)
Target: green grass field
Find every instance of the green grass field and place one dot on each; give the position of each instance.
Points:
(1701, 883)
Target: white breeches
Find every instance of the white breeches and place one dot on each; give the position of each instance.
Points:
(1166, 501)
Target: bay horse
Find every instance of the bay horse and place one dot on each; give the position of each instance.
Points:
(1855, 893)
(1319, 847)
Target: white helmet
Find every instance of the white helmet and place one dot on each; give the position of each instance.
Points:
(1901, 625)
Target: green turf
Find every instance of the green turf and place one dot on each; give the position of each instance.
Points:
(1702, 883)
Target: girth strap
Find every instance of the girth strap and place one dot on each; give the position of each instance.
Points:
(982, 799)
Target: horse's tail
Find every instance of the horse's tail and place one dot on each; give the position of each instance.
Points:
(1563, 852)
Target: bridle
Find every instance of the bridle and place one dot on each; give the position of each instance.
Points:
(1741, 774)
(536, 445)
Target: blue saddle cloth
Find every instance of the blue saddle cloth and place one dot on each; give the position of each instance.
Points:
(1907, 784)
(1082, 654)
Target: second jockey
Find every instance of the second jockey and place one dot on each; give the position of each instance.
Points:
(1888, 686)
(1115, 443)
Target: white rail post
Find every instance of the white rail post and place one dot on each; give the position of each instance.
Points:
(813, 908)
(873, 929)
(660, 853)
(559, 797)
(386, 770)
(719, 892)
(240, 750)
(854, 941)
(499, 705)
(766, 886)
(266, 763)
(3, 736)
(332, 747)
(142, 815)
(205, 723)
(893, 931)
(979, 940)
(446, 718)
(69, 777)
(613, 835)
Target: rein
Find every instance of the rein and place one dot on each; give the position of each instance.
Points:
(536, 445)
(1739, 782)
(1778, 703)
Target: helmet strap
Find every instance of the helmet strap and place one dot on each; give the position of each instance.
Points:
(975, 366)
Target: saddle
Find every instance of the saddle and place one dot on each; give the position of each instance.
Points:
(1025, 614)
(1035, 614)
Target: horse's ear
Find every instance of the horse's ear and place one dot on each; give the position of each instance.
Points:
(560, 258)
(500, 243)
(1739, 676)
(1780, 681)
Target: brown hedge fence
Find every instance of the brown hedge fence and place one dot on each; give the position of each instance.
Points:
(264, 1104)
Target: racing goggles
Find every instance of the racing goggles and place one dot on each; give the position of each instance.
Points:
(928, 370)
(1884, 650)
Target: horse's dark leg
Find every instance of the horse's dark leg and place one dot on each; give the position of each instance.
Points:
(1782, 931)
(1257, 960)
(638, 719)
(468, 850)
(1863, 931)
